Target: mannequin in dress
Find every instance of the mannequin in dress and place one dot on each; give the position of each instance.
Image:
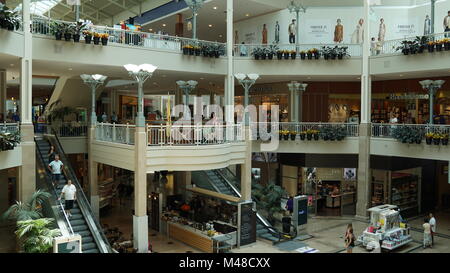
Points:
(382, 31)
(264, 35)
(338, 32)
(427, 26)
(277, 33)
(358, 34)
(292, 29)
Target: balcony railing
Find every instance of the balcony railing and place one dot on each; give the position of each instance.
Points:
(386, 130)
(245, 50)
(116, 133)
(9, 127)
(351, 129)
(193, 135)
(42, 26)
(390, 46)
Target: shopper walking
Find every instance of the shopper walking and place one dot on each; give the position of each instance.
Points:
(426, 233)
(56, 167)
(69, 193)
(432, 223)
(349, 239)
(51, 154)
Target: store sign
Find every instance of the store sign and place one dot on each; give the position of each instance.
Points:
(318, 30)
(261, 89)
(408, 96)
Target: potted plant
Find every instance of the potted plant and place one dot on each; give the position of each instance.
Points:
(263, 53)
(219, 50)
(9, 19)
(186, 49)
(342, 52)
(429, 138)
(439, 45)
(205, 50)
(444, 139)
(36, 235)
(87, 36)
(436, 139)
(326, 52)
(257, 52)
(272, 50)
(293, 54)
(446, 44)
(77, 29)
(315, 134)
(309, 54)
(197, 50)
(57, 29)
(97, 38)
(104, 37)
(309, 134)
(404, 47)
(430, 46)
(293, 135)
(280, 54)
(302, 135)
(268, 199)
(316, 53)
(68, 31)
(285, 134)
(333, 52)
(303, 55)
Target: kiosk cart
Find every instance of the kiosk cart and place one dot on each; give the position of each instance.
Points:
(386, 227)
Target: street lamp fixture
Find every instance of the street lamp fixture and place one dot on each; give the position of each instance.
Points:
(296, 88)
(195, 6)
(140, 73)
(297, 8)
(93, 81)
(246, 80)
(187, 87)
(432, 87)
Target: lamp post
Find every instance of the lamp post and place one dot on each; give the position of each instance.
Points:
(246, 81)
(195, 6)
(140, 73)
(432, 87)
(297, 8)
(296, 89)
(187, 87)
(93, 81)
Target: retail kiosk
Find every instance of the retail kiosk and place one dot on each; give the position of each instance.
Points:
(386, 227)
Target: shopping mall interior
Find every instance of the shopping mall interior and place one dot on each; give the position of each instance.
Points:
(225, 126)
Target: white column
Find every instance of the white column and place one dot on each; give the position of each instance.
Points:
(3, 92)
(364, 171)
(246, 169)
(229, 88)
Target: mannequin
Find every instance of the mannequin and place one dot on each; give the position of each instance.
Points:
(338, 32)
(291, 30)
(358, 34)
(427, 26)
(382, 31)
(264, 35)
(277, 33)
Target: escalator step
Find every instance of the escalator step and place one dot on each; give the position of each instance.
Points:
(89, 246)
(76, 216)
(87, 239)
(80, 228)
(91, 251)
(75, 211)
(77, 222)
(84, 233)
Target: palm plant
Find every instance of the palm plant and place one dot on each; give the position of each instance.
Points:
(36, 235)
(268, 198)
(29, 210)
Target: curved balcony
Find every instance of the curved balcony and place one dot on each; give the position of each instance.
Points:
(10, 158)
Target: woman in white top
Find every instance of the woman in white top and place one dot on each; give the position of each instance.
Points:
(426, 234)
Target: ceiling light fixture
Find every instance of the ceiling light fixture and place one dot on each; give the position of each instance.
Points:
(163, 25)
(214, 7)
(247, 14)
(210, 25)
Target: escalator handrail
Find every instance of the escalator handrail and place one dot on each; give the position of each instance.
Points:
(56, 193)
(93, 224)
(265, 223)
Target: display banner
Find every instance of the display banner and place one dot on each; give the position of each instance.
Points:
(405, 27)
(250, 38)
(318, 31)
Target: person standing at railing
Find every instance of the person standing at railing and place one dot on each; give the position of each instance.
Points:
(55, 168)
(104, 117)
(114, 118)
(447, 23)
(243, 50)
(69, 193)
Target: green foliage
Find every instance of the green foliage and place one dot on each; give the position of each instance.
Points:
(29, 210)
(333, 133)
(36, 235)
(273, 49)
(60, 27)
(9, 18)
(258, 51)
(78, 27)
(268, 198)
(407, 134)
(9, 140)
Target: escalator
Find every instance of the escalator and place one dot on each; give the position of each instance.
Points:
(225, 182)
(83, 221)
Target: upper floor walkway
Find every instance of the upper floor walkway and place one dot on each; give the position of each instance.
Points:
(182, 54)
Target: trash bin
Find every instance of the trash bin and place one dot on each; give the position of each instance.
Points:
(286, 220)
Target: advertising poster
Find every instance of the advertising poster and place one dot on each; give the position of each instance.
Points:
(405, 27)
(318, 31)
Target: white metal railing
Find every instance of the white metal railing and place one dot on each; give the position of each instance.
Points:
(71, 129)
(246, 50)
(390, 46)
(42, 26)
(9, 127)
(194, 135)
(386, 130)
(116, 133)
